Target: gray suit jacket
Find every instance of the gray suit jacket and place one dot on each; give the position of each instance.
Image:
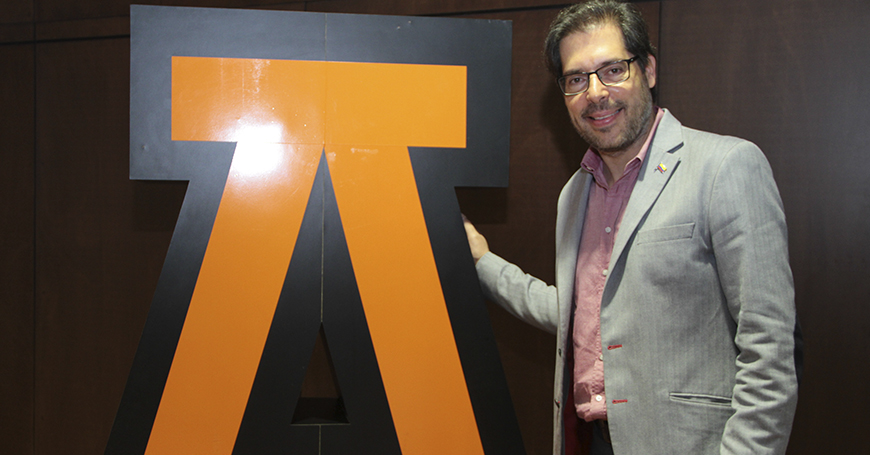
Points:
(699, 296)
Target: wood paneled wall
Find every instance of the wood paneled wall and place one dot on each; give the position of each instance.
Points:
(89, 243)
(82, 246)
(790, 75)
(16, 248)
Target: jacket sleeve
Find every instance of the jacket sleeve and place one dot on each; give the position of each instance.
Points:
(751, 249)
(521, 294)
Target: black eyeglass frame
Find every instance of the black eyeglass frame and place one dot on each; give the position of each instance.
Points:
(561, 81)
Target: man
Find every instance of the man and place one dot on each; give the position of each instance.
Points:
(673, 306)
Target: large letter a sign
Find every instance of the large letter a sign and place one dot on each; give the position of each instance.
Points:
(322, 151)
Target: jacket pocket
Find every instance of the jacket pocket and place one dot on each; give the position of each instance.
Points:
(664, 234)
(701, 399)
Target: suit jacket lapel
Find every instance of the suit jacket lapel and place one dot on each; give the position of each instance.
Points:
(569, 227)
(652, 179)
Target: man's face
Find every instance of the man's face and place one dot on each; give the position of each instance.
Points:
(612, 119)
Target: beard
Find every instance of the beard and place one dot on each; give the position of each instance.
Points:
(637, 123)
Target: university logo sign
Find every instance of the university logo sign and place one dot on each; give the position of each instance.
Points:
(322, 152)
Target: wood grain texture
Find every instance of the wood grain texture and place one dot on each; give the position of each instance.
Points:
(759, 70)
(763, 71)
(97, 260)
(16, 245)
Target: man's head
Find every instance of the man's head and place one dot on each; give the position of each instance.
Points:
(613, 110)
(585, 16)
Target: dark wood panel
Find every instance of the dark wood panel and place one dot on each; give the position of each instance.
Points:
(16, 33)
(98, 249)
(110, 20)
(62, 10)
(83, 28)
(16, 245)
(16, 21)
(16, 11)
(102, 239)
(765, 71)
(424, 7)
(759, 70)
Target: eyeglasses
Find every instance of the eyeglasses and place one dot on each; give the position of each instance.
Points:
(609, 74)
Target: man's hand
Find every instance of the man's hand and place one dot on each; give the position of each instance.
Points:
(476, 241)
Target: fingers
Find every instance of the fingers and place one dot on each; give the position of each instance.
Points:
(476, 241)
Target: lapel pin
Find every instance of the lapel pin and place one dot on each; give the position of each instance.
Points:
(662, 168)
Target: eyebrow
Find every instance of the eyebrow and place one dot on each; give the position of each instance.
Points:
(574, 72)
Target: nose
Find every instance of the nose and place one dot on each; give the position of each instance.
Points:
(596, 91)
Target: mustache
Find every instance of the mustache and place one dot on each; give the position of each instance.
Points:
(602, 106)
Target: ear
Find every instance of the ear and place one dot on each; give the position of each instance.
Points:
(650, 71)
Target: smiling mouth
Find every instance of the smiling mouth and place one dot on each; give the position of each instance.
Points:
(604, 117)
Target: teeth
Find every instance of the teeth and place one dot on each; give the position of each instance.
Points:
(606, 116)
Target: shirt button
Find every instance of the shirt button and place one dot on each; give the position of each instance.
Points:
(598, 398)
(604, 272)
(607, 229)
(601, 357)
